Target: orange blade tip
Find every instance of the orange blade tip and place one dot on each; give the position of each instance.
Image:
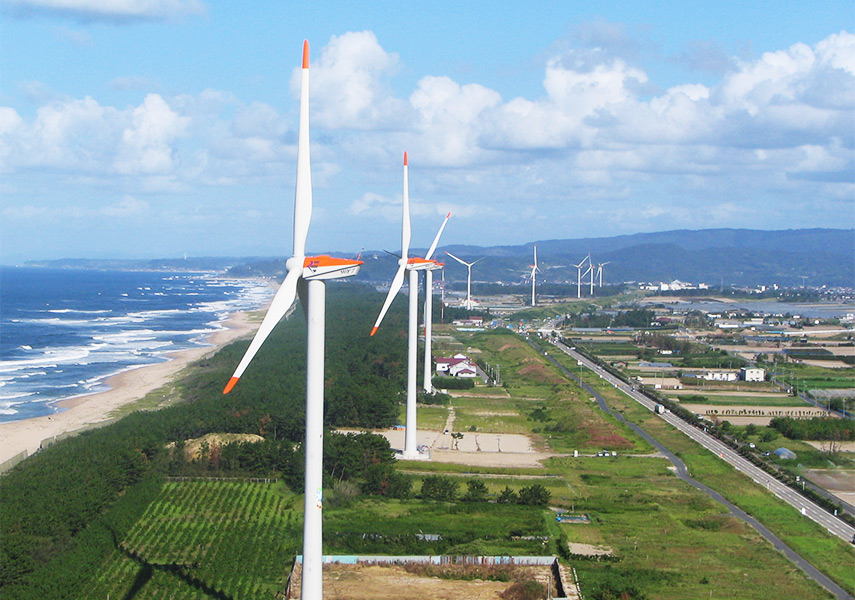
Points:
(230, 385)
(373, 330)
(305, 54)
(405, 159)
(448, 215)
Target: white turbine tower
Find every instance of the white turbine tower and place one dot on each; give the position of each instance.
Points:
(468, 266)
(308, 274)
(579, 276)
(534, 270)
(413, 265)
(426, 383)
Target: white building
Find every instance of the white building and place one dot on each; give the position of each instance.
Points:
(752, 374)
(720, 375)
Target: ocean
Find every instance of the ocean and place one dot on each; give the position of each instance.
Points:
(63, 332)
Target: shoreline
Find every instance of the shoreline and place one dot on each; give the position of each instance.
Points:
(127, 387)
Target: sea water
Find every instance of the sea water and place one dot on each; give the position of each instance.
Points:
(63, 332)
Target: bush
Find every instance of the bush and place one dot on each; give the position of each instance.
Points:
(507, 496)
(476, 491)
(453, 383)
(534, 495)
(437, 487)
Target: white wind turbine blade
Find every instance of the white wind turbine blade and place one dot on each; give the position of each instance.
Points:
(282, 301)
(461, 261)
(397, 282)
(284, 298)
(405, 225)
(303, 194)
(433, 246)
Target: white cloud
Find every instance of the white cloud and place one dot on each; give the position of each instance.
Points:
(146, 141)
(593, 141)
(107, 10)
(347, 84)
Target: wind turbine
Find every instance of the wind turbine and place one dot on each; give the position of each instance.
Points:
(468, 278)
(579, 276)
(413, 265)
(306, 273)
(534, 270)
(426, 380)
(600, 272)
(591, 270)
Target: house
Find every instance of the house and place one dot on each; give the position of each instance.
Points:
(752, 374)
(462, 369)
(458, 365)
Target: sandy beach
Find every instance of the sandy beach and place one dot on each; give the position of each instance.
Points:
(125, 388)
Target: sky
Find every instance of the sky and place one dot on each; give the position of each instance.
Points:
(159, 128)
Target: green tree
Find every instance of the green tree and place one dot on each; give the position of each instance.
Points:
(534, 495)
(437, 487)
(507, 496)
(476, 491)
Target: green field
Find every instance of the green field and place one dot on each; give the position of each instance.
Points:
(490, 415)
(201, 538)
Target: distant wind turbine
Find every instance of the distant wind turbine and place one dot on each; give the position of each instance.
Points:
(306, 273)
(591, 270)
(600, 272)
(413, 265)
(579, 276)
(534, 270)
(427, 379)
(468, 278)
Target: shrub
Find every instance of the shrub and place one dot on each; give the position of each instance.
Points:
(534, 495)
(437, 487)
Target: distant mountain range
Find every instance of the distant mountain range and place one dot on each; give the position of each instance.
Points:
(713, 256)
(744, 257)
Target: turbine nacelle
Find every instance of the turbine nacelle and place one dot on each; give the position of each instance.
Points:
(421, 264)
(327, 267)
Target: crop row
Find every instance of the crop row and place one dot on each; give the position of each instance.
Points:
(202, 538)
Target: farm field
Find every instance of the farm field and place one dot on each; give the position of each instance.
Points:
(735, 398)
(201, 538)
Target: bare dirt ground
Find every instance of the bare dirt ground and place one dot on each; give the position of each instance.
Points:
(476, 449)
(844, 447)
(828, 364)
(758, 415)
(840, 482)
(589, 549)
(394, 582)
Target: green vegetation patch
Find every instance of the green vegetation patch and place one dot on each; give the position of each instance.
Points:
(235, 538)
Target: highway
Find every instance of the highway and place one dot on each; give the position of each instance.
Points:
(834, 525)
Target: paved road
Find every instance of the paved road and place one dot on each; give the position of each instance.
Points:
(808, 508)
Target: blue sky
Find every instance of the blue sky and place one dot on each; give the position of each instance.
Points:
(154, 128)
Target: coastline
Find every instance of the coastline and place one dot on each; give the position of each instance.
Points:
(126, 388)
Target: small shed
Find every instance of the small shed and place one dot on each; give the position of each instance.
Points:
(785, 453)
